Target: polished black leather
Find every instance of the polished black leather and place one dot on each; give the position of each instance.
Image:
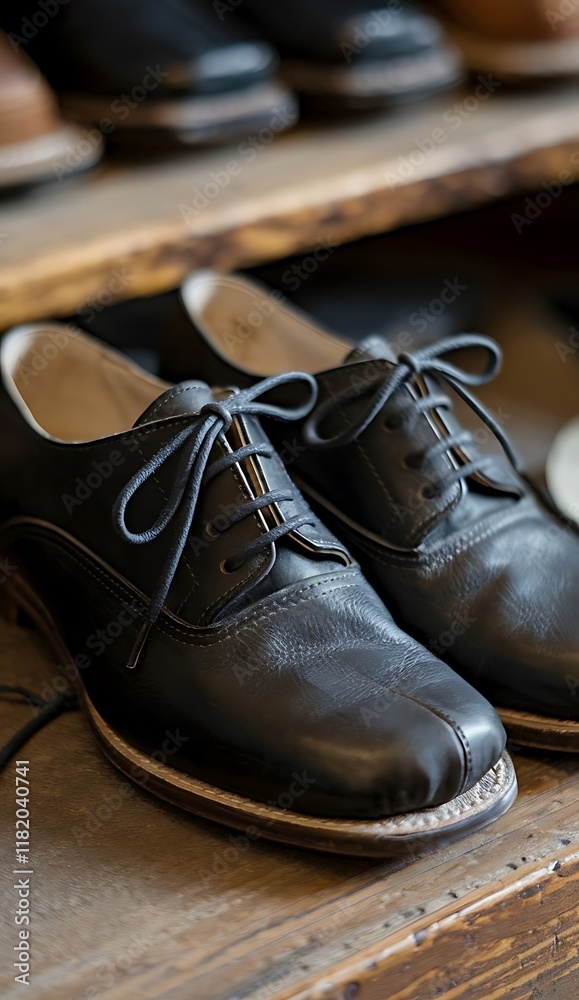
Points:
(331, 30)
(481, 570)
(288, 670)
(110, 46)
(349, 54)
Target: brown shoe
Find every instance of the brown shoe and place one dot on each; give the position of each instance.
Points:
(521, 39)
(35, 143)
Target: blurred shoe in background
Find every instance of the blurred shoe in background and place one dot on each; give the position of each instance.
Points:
(562, 466)
(346, 53)
(150, 70)
(33, 137)
(521, 39)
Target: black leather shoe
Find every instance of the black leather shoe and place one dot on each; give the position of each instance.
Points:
(349, 53)
(225, 646)
(149, 70)
(457, 544)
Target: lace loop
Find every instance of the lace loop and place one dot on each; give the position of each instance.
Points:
(426, 361)
(196, 442)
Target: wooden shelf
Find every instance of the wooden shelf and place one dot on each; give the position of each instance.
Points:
(131, 898)
(60, 244)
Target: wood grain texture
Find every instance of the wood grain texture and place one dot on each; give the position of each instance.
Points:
(61, 245)
(132, 898)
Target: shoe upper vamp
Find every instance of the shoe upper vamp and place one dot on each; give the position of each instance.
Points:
(500, 601)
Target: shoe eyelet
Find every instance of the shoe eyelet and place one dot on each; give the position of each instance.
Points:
(211, 530)
(412, 463)
(428, 492)
(391, 424)
(225, 568)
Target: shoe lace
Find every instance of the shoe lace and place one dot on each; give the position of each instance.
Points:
(48, 709)
(195, 443)
(382, 387)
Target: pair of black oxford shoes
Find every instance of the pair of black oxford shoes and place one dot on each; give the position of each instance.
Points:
(292, 554)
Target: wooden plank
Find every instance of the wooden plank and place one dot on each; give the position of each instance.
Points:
(133, 898)
(121, 232)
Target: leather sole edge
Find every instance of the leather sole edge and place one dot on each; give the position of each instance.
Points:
(34, 161)
(194, 119)
(540, 731)
(377, 84)
(517, 61)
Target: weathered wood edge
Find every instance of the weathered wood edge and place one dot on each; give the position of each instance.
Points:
(537, 902)
(159, 257)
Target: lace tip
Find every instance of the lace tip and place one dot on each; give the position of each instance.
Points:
(139, 644)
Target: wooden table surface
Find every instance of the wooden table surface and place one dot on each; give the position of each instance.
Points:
(131, 230)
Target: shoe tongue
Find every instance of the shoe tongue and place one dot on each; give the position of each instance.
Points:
(411, 517)
(372, 348)
(223, 495)
(178, 401)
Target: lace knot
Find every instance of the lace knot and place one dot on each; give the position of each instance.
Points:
(411, 361)
(219, 410)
